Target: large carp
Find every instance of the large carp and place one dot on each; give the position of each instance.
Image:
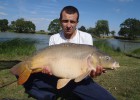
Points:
(67, 61)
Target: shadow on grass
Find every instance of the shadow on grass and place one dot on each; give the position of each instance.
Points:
(130, 55)
(8, 64)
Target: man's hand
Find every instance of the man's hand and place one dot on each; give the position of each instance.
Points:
(99, 71)
(46, 70)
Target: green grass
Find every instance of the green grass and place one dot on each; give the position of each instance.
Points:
(123, 83)
(12, 91)
(16, 48)
(11, 53)
(136, 52)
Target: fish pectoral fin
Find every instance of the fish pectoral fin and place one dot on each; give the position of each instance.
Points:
(62, 82)
(81, 77)
(91, 62)
(23, 77)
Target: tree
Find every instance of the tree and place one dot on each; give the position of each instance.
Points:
(102, 27)
(82, 28)
(3, 25)
(91, 31)
(54, 26)
(29, 27)
(22, 26)
(130, 28)
(112, 32)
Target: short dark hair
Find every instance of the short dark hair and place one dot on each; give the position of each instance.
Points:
(70, 10)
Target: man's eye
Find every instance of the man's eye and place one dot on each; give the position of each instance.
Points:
(72, 22)
(65, 21)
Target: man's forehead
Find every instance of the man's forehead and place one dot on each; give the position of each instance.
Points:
(69, 16)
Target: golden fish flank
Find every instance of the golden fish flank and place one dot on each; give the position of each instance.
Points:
(67, 61)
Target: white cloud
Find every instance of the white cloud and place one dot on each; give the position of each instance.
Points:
(3, 14)
(122, 0)
(40, 19)
(40, 23)
(1, 7)
(117, 10)
(33, 12)
(125, 0)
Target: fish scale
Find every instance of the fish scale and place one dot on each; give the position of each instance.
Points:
(67, 61)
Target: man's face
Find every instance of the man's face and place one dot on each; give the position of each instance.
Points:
(69, 23)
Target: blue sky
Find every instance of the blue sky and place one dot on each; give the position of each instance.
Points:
(41, 12)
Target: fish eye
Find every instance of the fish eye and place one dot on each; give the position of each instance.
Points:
(107, 57)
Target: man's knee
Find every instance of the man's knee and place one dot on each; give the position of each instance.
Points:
(41, 94)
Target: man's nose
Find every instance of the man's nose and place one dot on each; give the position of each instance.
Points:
(69, 24)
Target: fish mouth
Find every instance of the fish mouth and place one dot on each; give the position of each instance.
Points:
(115, 65)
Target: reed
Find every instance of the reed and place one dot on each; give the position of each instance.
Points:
(16, 48)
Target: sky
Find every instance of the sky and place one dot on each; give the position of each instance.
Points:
(42, 12)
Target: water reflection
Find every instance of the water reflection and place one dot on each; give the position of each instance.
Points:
(43, 41)
(123, 45)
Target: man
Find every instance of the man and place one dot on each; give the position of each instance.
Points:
(43, 86)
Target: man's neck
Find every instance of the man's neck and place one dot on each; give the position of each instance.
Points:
(70, 36)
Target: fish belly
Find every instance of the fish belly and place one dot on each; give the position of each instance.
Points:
(68, 68)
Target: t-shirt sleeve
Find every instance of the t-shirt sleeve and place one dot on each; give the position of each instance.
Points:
(90, 40)
(87, 39)
(51, 41)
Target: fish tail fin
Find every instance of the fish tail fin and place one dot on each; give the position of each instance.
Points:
(23, 77)
(22, 71)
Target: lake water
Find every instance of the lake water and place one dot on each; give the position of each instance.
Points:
(124, 45)
(44, 41)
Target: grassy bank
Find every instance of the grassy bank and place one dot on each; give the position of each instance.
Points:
(11, 53)
(16, 49)
(123, 83)
(135, 53)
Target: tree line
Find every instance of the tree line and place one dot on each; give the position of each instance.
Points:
(19, 26)
(130, 28)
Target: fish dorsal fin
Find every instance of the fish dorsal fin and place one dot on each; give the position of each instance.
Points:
(62, 82)
(81, 77)
(23, 77)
